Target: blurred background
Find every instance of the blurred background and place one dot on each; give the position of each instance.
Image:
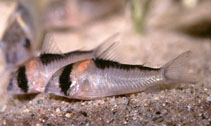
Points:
(151, 32)
(83, 23)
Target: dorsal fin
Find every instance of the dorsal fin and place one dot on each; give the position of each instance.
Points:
(22, 23)
(107, 50)
(9, 20)
(50, 45)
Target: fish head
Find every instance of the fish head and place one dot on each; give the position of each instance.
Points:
(13, 87)
(17, 53)
(16, 45)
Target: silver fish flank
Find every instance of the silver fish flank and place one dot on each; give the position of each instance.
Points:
(96, 78)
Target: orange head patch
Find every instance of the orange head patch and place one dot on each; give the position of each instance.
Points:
(32, 65)
(83, 65)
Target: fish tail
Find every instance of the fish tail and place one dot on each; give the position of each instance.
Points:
(177, 69)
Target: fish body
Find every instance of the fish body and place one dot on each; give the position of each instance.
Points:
(35, 74)
(98, 78)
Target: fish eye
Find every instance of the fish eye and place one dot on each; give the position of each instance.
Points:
(27, 43)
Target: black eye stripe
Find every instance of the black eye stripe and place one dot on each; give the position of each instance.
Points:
(22, 79)
(65, 80)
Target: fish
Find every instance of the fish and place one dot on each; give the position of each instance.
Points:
(98, 77)
(21, 39)
(22, 36)
(16, 45)
(16, 48)
(25, 31)
(33, 76)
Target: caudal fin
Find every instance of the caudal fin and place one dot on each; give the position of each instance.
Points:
(177, 69)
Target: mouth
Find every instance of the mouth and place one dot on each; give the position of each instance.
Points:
(10, 86)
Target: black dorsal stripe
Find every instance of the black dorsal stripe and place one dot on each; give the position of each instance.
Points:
(65, 80)
(48, 57)
(22, 79)
(102, 64)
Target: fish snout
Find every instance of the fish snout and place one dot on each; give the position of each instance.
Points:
(12, 88)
